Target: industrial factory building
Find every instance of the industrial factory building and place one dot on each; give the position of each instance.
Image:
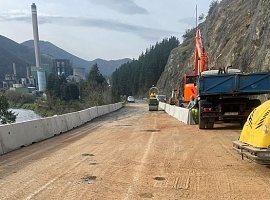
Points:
(37, 75)
(62, 66)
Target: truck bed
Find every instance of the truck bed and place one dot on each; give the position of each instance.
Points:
(249, 84)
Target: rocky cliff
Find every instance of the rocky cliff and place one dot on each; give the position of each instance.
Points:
(235, 32)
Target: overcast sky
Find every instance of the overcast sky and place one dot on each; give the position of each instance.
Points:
(107, 29)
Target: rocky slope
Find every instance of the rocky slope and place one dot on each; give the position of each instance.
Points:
(235, 32)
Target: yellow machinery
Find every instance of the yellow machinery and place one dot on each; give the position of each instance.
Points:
(254, 141)
(153, 101)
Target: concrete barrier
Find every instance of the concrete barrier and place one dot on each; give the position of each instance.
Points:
(1, 149)
(60, 124)
(17, 135)
(22, 134)
(84, 116)
(182, 114)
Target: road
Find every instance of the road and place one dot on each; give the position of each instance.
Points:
(134, 154)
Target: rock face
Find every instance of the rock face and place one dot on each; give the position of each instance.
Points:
(235, 32)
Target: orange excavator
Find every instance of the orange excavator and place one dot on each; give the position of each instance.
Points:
(201, 61)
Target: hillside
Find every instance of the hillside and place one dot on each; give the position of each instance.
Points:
(12, 52)
(236, 32)
(49, 49)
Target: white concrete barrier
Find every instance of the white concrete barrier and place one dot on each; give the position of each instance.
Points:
(84, 114)
(22, 134)
(93, 112)
(17, 135)
(182, 114)
(1, 146)
(61, 124)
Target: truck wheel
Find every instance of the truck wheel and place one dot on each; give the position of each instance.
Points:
(201, 124)
(210, 125)
(253, 103)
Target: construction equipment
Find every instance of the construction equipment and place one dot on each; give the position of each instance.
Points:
(201, 61)
(153, 101)
(176, 97)
(254, 141)
(227, 97)
(223, 94)
(182, 95)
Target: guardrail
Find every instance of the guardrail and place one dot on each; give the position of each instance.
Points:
(182, 114)
(17, 135)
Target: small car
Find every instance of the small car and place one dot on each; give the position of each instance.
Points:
(130, 99)
(161, 98)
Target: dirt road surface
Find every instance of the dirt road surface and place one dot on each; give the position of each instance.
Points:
(134, 154)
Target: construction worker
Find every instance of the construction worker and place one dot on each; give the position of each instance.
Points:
(192, 102)
(193, 106)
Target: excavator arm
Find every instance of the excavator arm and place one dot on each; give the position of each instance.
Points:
(200, 56)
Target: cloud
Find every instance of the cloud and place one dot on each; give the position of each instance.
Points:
(128, 7)
(151, 34)
(15, 15)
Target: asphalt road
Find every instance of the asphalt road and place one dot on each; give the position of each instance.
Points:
(134, 154)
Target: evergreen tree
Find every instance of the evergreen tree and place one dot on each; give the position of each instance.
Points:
(137, 76)
(95, 77)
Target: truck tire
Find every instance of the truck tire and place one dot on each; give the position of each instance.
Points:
(253, 103)
(202, 121)
(210, 125)
(201, 124)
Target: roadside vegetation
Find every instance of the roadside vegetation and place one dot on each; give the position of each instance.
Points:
(6, 116)
(64, 96)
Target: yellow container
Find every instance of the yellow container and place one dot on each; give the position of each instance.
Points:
(256, 131)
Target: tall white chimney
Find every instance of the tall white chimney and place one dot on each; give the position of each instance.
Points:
(14, 69)
(27, 72)
(35, 33)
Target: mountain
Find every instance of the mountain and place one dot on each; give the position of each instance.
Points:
(54, 52)
(12, 52)
(235, 32)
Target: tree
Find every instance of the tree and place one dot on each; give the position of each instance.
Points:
(74, 91)
(201, 17)
(137, 76)
(6, 116)
(95, 77)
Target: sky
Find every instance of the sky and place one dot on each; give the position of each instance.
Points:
(106, 29)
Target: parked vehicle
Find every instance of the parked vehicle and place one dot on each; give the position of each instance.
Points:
(161, 98)
(227, 97)
(130, 99)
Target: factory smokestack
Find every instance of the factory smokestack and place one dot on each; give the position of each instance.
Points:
(35, 33)
(14, 69)
(27, 72)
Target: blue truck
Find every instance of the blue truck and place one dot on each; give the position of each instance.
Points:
(229, 97)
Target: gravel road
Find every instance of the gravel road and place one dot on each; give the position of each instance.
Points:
(134, 154)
